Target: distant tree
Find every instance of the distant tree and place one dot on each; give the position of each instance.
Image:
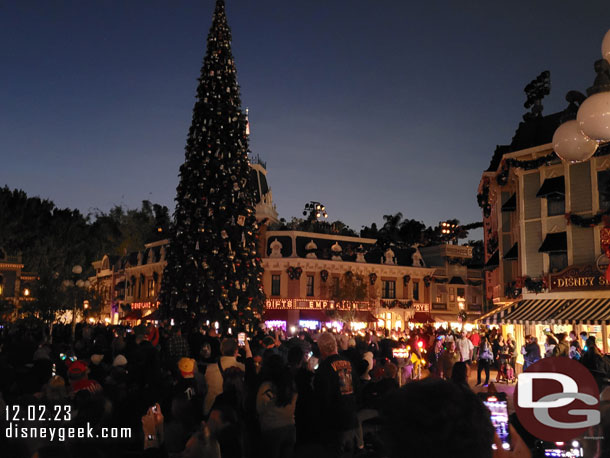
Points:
(478, 253)
(352, 287)
(369, 232)
(125, 230)
(411, 231)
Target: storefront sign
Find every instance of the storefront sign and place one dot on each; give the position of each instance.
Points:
(314, 304)
(579, 279)
(419, 307)
(143, 305)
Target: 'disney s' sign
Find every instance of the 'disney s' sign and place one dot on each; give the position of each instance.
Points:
(579, 278)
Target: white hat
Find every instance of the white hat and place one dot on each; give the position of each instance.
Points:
(120, 360)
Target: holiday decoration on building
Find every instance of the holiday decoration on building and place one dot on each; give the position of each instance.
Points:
(583, 221)
(294, 273)
(213, 270)
(406, 279)
(604, 236)
(512, 291)
(462, 316)
(535, 286)
(483, 199)
(324, 275)
(372, 278)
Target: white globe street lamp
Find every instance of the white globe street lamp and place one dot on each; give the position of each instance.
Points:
(571, 145)
(578, 140)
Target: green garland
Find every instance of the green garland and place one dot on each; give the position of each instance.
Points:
(582, 221)
(531, 164)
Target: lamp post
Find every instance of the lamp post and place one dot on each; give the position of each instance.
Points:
(448, 230)
(75, 283)
(316, 210)
(587, 120)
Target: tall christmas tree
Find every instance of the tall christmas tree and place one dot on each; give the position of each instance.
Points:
(213, 269)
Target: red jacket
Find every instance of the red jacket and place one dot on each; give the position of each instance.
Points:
(475, 339)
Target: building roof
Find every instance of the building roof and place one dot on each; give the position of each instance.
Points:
(533, 132)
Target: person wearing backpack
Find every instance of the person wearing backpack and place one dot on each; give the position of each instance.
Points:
(486, 357)
(214, 372)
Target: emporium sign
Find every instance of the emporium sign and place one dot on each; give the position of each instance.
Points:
(579, 279)
(143, 305)
(314, 304)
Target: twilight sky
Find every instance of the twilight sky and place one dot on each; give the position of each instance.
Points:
(369, 106)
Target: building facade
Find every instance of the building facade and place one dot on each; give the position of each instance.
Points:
(15, 284)
(543, 223)
(308, 275)
(129, 285)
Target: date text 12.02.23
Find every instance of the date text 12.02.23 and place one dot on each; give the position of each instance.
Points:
(38, 413)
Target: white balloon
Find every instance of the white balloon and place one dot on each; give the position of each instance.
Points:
(571, 145)
(594, 116)
(606, 46)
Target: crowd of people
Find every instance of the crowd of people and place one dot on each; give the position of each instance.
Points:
(188, 391)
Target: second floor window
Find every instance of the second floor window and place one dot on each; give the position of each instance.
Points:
(439, 297)
(555, 205)
(416, 291)
(151, 288)
(388, 289)
(558, 261)
(275, 285)
(451, 295)
(603, 186)
(461, 294)
(310, 285)
(336, 286)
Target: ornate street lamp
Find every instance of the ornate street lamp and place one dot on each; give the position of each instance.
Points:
(577, 139)
(76, 282)
(316, 210)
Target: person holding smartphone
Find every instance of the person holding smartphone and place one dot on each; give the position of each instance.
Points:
(444, 410)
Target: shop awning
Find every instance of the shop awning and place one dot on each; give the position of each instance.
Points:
(555, 241)
(532, 311)
(496, 316)
(273, 315)
(154, 316)
(511, 204)
(316, 315)
(582, 311)
(552, 187)
(493, 262)
(457, 281)
(513, 253)
(422, 317)
(365, 317)
(133, 315)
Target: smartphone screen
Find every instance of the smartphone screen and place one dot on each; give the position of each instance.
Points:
(498, 408)
(564, 449)
(241, 339)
